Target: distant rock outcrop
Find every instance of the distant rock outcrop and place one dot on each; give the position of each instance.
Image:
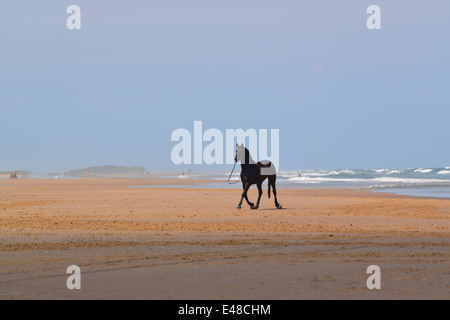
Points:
(108, 171)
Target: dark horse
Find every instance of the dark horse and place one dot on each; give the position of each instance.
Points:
(255, 173)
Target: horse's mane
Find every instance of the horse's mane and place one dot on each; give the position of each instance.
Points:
(248, 157)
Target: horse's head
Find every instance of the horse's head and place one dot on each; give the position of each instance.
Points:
(243, 155)
(240, 153)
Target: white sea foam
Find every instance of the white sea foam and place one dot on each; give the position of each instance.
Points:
(324, 180)
(385, 180)
(306, 173)
(444, 171)
(321, 173)
(396, 171)
(421, 170)
(315, 173)
(411, 180)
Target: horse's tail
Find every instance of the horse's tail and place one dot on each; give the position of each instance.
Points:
(268, 192)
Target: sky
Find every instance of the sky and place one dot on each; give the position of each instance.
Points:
(341, 95)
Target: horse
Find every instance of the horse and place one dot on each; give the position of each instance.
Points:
(251, 174)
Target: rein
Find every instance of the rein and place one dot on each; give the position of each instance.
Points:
(232, 173)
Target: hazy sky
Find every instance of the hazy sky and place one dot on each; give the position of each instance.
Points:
(341, 95)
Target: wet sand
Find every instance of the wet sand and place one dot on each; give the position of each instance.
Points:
(183, 243)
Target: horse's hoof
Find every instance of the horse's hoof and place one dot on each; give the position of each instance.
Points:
(279, 206)
(254, 207)
(238, 207)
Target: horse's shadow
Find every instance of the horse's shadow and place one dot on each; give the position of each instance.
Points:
(272, 209)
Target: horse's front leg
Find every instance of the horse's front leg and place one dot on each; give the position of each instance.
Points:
(244, 195)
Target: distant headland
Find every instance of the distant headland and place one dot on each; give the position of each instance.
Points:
(108, 171)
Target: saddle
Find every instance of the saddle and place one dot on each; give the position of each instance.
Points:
(264, 165)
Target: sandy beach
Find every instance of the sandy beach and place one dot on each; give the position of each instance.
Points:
(192, 243)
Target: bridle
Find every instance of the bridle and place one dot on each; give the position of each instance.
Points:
(235, 161)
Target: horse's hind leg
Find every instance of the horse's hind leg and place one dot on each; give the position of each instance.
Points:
(272, 180)
(260, 192)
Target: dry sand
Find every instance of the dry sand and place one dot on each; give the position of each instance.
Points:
(185, 243)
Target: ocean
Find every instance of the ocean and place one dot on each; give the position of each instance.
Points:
(428, 182)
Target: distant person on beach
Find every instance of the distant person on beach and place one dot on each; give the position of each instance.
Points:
(13, 175)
